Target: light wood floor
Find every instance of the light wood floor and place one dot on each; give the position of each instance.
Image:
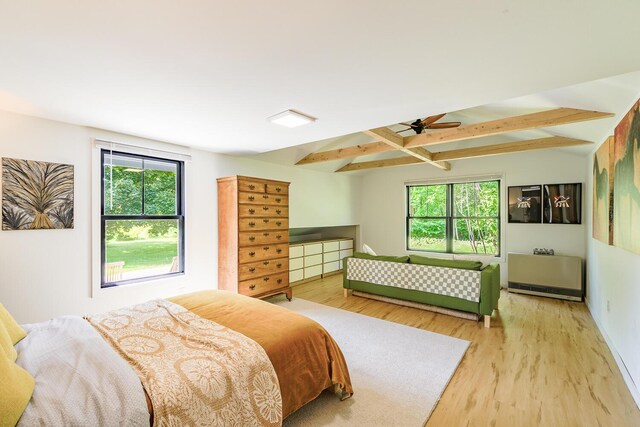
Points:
(542, 363)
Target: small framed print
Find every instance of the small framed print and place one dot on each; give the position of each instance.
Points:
(562, 203)
(525, 204)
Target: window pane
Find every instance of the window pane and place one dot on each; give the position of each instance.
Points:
(122, 185)
(427, 235)
(488, 199)
(141, 248)
(476, 236)
(160, 180)
(464, 197)
(428, 200)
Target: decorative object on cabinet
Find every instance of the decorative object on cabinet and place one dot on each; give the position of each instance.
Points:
(562, 204)
(556, 276)
(253, 236)
(36, 195)
(626, 194)
(317, 258)
(603, 192)
(525, 204)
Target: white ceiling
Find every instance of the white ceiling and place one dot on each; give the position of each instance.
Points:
(207, 73)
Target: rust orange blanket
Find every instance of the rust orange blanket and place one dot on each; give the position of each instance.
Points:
(195, 371)
(305, 357)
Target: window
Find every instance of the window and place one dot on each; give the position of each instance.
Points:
(461, 218)
(142, 218)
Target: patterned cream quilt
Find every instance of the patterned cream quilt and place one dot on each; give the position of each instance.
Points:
(195, 371)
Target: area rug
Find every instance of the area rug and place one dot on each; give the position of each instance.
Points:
(398, 372)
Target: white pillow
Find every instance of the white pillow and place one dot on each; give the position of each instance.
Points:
(367, 250)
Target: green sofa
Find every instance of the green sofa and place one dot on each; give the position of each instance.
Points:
(489, 285)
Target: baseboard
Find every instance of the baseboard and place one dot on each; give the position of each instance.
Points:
(633, 389)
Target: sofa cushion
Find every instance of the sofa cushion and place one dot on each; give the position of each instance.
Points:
(402, 259)
(448, 263)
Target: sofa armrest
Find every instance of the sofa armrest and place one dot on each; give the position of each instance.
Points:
(489, 288)
(346, 283)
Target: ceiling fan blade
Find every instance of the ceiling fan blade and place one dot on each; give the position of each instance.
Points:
(406, 124)
(403, 130)
(431, 119)
(444, 125)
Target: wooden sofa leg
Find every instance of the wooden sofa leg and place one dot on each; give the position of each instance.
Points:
(487, 321)
(346, 292)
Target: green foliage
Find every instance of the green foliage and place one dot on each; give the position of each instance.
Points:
(143, 254)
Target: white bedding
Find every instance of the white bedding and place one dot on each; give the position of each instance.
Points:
(80, 379)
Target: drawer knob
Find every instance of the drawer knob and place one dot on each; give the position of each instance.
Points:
(279, 281)
(252, 224)
(252, 287)
(278, 211)
(252, 211)
(265, 196)
(252, 269)
(251, 198)
(278, 200)
(278, 250)
(252, 254)
(252, 187)
(266, 263)
(279, 223)
(279, 265)
(265, 234)
(252, 238)
(266, 248)
(265, 208)
(278, 237)
(278, 189)
(266, 279)
(266, 220)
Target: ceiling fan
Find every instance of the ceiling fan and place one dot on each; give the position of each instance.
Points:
(429, 123)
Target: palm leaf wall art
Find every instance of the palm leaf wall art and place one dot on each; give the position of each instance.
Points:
(36, 195)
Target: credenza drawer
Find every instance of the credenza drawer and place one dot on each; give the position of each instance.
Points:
(346, 244)
(312, 260)
(316, 270)
(346, 253)
(296, 275)
(263, 284)
(249, 211)
(261, 199)
(331, 256)
(248, 224)
(296, 251)
(248, 238)
(260, 253)
(296, 263)
(277, 189)
(262, 268)
(329, 267)
(330, 246)
(312, 249)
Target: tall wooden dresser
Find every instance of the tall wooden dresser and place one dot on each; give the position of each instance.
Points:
(253, 236)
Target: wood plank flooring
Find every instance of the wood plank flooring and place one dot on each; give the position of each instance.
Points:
(543, 362)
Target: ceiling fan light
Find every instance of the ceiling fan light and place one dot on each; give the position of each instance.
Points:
(291, 119)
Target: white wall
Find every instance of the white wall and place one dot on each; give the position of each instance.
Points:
(383, 201)
(613, 295)
(45, 273)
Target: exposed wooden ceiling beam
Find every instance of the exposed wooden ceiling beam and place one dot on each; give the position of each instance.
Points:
(346, 153)
(509, 147)
(396, 161)
(558, 116)
(396, 141)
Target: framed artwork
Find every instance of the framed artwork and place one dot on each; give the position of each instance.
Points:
(562, 204)
(603, 192)
(626, 197)
(36, 195)
(525, 204)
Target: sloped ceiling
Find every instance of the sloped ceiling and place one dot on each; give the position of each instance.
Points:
(207, 73)
(614, 95)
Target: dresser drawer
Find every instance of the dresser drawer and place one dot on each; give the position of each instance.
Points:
(316, 270)
(263, 268)
(262, 199)
(247, 224)
(250, 211)
(296, 275)
(248, 238)
(277, 189)
(330, 246)
(312, 260)
(296, 263)
(263, 284)
(296, 251)
(262, 252)
(252, 186)
(312, 249)
(331, 256)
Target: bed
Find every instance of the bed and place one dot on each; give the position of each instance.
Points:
(83, 366)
